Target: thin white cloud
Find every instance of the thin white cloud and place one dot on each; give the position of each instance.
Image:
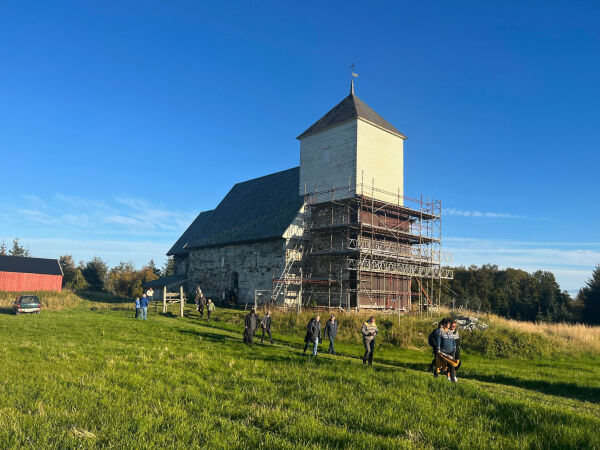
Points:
(475, 213)
(571, 266)
(117, 216)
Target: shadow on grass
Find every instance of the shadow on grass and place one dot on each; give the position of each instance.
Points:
(567, 390)
(209, 336)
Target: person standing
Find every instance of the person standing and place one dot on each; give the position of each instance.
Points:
(250, 324)
(144, 307)
(150, 294)
(201, 304)
(313, 334)
(446, 345)
(331, 329)
(454, 329)
(137, 307)
(432, 341)
(265, 324)
(209, 309)
(369, 331)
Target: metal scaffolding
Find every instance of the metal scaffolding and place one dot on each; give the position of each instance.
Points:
(363, 247)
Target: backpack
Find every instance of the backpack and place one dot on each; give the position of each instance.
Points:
(432, 339)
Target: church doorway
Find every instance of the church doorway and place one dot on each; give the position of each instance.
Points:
(235, 281)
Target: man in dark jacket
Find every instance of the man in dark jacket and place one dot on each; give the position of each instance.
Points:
(331, 329)
(144, 307)
(265, 324)
(313, 334)
(201, 304)
(250, 324)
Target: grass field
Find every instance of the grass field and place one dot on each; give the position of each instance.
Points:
(92, 376)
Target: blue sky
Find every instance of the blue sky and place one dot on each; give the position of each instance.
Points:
(120, 121)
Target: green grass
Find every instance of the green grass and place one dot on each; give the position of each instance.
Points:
(91, 376)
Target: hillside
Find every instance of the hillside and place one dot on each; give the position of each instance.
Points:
(92, 376)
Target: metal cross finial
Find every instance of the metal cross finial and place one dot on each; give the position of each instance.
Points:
(354, 75)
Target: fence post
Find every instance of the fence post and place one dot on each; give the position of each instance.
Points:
(164, 299)
(181, 301)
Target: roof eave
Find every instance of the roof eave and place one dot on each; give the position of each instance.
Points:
(395, 133)
(245, 241)
(306, 133)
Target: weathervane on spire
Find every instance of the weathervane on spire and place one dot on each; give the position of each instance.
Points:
(354, 75)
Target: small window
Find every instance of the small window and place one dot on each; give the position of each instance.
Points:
(326, 156)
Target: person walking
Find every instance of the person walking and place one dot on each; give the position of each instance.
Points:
(250, 324)
(432, 341)
(331, 329)
(454, 329)
(201, 304)
(210, 307)
(446, 347)
(369, 331)
(313, 334)
(150, 294)
(265, 324)
(137, 307)
(144, 306)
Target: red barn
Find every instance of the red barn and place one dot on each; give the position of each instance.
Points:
(22, 274)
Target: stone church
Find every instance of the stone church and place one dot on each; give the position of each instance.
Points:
(334, 231)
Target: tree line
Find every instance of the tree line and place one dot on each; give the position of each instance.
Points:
(16, 250)
(517, 294)
(123, 280)
(511, 293)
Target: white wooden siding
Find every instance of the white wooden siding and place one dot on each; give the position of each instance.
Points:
(328, 159)
(380, 158)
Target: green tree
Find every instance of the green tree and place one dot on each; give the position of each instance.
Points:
(95, 273)
(18, 250)
(68, 267)
(3, 248)
(168, 268)
(152, 267)
(589, 295)
(78, 282)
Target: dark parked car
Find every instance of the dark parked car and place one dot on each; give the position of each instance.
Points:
(27, 304)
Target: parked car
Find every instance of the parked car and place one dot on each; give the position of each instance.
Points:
(27, 304)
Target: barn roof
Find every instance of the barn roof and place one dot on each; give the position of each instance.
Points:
(351, 107)
(23, 264)
(258, 209)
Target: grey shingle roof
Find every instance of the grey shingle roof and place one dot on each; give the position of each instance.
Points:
(258, 209)
(169, 281)
(351, 107)
(25, 264)
(195, 226)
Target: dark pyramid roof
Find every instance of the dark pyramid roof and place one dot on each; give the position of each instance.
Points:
(351, 107)
(196, 225)
(23, 264)
(254, 210)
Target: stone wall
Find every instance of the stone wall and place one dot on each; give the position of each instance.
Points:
(255, 264)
